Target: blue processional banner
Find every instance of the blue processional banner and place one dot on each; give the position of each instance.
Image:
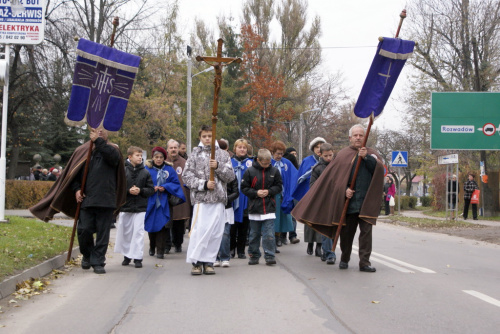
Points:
(389, 60)
(102, 84)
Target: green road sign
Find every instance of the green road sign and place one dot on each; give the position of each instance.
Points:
(465, 121)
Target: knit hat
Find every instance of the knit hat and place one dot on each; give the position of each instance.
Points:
(161, 150)
(315, 141)
(290, 150)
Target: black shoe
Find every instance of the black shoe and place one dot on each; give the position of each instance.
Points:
(151, 252)
(253, 261)
(323, 257)
(310, 248)
(112, 225)
(126, 261)
(474, 218)
(330, 261)
(167, 249)
(99, 270)
(85, 263)
(160, 256)
(343, 265)
(178, 249)
(241, 256)
(233, 253)
(318, 250)
(270, 261)
(279, 243)
(138, 263)
(277, 251)
(368, 269)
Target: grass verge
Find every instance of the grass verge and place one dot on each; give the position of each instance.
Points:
(431, 223)
(26, 242)
(442, 214)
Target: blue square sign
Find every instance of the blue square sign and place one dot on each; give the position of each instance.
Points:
(399, 159)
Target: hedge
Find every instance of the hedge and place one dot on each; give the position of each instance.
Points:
(24, 194)
(426, 201)
(407, 202)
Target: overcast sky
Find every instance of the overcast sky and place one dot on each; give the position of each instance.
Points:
(350, 31)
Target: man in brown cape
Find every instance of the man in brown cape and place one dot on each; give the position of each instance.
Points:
(105, 192)
(321, 208)
(181, 212)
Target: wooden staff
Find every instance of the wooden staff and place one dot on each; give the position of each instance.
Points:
(116, 22)
(217, 62)
(353, 181)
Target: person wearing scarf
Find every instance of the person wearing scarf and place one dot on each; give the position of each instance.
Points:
(241, 161)
(158, 213)
(284, 201)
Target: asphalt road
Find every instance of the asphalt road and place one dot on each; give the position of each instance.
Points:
(425, 283)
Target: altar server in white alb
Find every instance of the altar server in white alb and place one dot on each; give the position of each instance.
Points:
(130, 225)
(209, 199)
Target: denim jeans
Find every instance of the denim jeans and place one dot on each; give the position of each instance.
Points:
(326, 245)
(264, 229)
(224, 244)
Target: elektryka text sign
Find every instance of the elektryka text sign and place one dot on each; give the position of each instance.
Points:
(22, 21)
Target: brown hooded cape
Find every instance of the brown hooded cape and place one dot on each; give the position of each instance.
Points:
(321, 207)
(61, 197)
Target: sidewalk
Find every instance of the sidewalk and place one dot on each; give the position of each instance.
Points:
(8, 286)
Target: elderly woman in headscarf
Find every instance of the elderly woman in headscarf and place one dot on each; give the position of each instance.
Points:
(158, 213)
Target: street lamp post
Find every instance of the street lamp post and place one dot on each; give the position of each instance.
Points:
(301, 122)
(188, 104)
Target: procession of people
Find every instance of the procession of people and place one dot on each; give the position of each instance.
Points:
(225, 203)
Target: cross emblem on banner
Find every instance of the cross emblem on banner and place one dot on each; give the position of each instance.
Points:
(217, 62)
(103, 83)
(387, 76)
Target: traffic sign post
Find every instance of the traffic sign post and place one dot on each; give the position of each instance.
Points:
(451, 162)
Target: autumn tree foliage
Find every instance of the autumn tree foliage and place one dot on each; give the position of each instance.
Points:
(265, 91)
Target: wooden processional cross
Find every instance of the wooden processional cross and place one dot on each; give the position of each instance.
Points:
(217, 63)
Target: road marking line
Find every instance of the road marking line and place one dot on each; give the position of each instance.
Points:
(390, 265)
(483, 297)
(404, 264)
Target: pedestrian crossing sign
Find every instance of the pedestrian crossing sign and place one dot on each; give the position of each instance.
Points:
(399, 159)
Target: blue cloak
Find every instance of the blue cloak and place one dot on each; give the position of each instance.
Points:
(157, 217)
(304, 175)
(289, 177)
(239, 169)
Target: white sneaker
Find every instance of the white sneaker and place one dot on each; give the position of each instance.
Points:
(217, 263)
(225, 264)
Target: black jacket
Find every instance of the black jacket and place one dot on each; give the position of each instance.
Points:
(317, 170)
(100, 189)
(363, 181)
(232, 192)
(137, 176)
(258, 178)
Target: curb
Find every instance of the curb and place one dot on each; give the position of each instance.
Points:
(8, 286)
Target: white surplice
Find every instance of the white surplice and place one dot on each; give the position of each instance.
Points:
(206, 233)
(130, 234)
